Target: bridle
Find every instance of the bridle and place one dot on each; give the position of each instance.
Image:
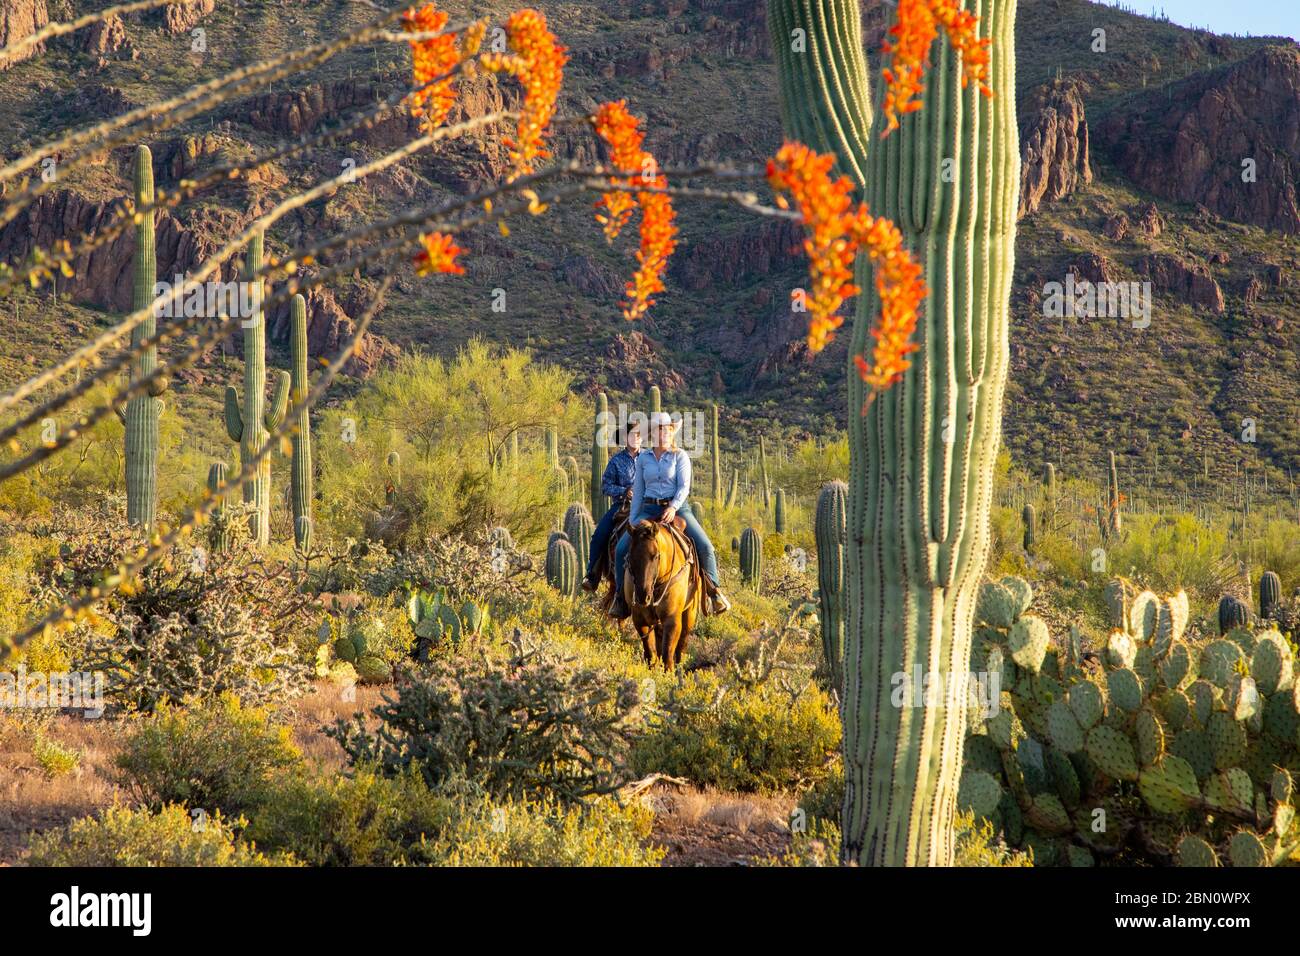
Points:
(661, 585)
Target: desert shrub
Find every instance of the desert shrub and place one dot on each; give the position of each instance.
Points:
(762, 737)
(825, 799)
(530, 725)
(449, 422)
(213, 755)
(548, 832)
(365, 819)
(977, 845)
(54, 758)
(123, 837)
(819, 845)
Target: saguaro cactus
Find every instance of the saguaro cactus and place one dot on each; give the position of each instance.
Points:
(780, 515)
(762, 473)
(301, 476)
(1031, 528)
(578, 528)
(219, 531)
(656, 401)
(599, 454)
(1111, 523)
(751, 558)
(832, 515)
(562, 566)
(715, 458)
(140, 418)
(552, 447)
(1270, 593)
(249, 426)
(922, 457)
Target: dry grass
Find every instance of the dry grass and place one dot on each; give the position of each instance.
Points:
(33, 800)
(711, 828)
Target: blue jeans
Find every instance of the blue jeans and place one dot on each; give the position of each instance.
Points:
(600, 537)
(703, 546)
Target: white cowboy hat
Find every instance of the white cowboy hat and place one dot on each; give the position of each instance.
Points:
(661, 418)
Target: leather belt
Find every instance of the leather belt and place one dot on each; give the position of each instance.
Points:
(662, 502)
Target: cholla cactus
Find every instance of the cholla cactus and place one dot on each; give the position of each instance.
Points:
(1173, 744)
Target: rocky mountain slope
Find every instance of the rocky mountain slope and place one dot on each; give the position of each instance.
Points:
(1133, 171)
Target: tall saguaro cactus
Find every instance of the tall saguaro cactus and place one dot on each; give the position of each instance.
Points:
(142, 412)
(599, 454)
(921, 458)
(300, 480)
(250, 424)
(832, 506)
(715, 458)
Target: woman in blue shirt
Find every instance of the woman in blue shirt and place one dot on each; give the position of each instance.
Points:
(659, 492)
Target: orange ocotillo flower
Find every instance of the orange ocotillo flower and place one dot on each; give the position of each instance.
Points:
(439, 255)
(908, 50)
(836, 232)
(431, 58)
(621, 131)
(538, 63)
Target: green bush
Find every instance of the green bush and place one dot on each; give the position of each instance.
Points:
(531, 725)
(216, 755)
(364, 819)
(545, 832)
(751, 738)
(123, 837)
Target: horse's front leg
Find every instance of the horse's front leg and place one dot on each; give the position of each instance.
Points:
(670, 632)
(647, 644)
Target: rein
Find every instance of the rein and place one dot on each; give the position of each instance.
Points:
(662, 584)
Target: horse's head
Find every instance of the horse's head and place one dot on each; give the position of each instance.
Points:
(643, 560)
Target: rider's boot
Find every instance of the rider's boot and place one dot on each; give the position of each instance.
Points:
(720, 604)
(590, 583)
(619, 610)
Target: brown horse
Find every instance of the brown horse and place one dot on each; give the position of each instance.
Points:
(662, 589)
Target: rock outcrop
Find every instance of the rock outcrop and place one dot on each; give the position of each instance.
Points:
(1053, 145)
(184, 16)
(1228, 140)
(19, 19)
(1190, 282)
(329, 328)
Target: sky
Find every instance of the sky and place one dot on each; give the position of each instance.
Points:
(1254, 17)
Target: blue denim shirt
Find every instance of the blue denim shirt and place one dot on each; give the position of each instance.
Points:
(666, 477)
(619, 475)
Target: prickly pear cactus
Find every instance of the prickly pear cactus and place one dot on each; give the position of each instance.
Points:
(1163, 749)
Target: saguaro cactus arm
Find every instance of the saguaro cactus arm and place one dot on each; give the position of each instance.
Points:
(279, 400)
(234, 420)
